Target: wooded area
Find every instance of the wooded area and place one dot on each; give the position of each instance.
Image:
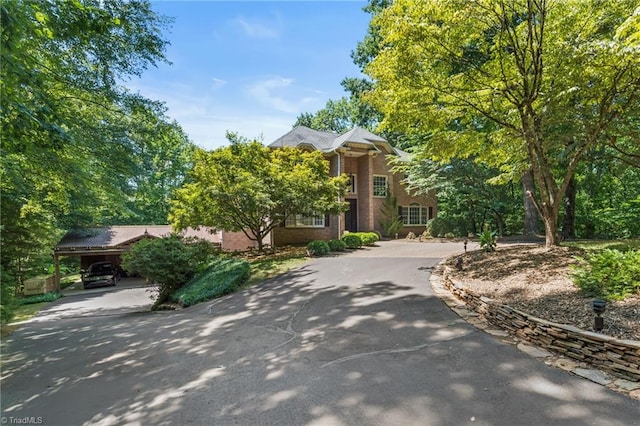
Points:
(78, 148)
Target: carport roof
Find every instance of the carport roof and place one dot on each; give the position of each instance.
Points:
(113, 237)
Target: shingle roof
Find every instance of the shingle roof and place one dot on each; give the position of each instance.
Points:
(301, 135)
(114, 236)
(329, 142)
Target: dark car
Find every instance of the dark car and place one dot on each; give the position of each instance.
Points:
(100, 274)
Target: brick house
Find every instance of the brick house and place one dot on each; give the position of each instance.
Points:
(363, 156)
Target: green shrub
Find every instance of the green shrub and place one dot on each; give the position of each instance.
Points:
(39, 298)
(7, 291)
(337, 245)
(318, 248)
(609, 274)
(488, 240)
(449, 235)
(367, 238)
(352, 241)
(223, 276)
(169, 261)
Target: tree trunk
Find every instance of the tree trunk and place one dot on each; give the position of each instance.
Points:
(569, 218)
(530, 211)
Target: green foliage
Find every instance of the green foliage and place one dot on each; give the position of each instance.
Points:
(39, 298)
(488, 240)
(367, 238)
(337, 245)
(222, 276)
(449, 235)
(390, 221)
(7, 296)
(497, 80)
(78, 148)
(251, 188)
(318, 248)
(169, 261)
(352, 241)
(609, 274)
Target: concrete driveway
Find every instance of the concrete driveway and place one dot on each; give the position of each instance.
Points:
(357, 339)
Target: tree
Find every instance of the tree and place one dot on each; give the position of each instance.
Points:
(391, 221)
(519, 84)
(169, 261)
(70, 133)
(247, 187)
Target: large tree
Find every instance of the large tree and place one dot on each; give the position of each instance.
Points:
(247, 187)
(521, 83)
(72, 136)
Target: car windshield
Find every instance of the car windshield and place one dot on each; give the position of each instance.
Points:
(102, 268)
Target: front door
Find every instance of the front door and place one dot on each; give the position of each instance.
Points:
(351, 216)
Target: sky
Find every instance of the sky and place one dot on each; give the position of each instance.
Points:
(252, 66)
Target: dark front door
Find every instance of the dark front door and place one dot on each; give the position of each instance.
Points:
(351, 216)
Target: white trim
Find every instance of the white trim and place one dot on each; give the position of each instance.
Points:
(423, 214)
(386, 185)
(353, 186)
(299, 221)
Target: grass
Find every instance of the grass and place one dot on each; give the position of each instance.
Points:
(21, 313)
(264, 269)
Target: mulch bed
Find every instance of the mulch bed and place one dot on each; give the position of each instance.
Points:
(537, 280)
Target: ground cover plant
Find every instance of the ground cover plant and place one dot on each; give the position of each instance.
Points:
(223, 276)
(539, 281)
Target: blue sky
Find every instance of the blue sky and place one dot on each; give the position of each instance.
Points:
(252, 67)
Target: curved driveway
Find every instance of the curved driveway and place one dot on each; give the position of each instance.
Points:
(357, 339)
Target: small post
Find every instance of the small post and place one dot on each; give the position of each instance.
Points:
(599, 306)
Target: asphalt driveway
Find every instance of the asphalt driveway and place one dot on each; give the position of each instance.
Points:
(357, 339)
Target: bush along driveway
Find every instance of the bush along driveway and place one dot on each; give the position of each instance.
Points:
(354, 339)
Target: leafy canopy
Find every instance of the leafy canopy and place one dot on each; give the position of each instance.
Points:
(519, 84)
(250, 188)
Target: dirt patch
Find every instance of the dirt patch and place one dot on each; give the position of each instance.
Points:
(537, 280)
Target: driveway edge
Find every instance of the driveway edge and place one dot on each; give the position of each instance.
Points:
(582, 369)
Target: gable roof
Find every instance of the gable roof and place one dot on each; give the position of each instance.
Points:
(119, 236)
(329, 142)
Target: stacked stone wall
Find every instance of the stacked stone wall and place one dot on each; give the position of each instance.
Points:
(619, 357)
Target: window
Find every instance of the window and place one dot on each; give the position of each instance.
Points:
(379, 186)
(415, 214)
(351, 189)
(300, 221)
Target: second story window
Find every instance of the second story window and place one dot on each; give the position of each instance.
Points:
(351, 189)
(379, 186)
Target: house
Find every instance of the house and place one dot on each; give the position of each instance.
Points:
(363, 156)
(107, 243)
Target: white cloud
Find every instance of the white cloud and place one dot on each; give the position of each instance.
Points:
(206, 119)
(257, 29)
(272, 92)
(218, 83)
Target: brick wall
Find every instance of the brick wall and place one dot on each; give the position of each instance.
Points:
(285, 236)
(238, 241)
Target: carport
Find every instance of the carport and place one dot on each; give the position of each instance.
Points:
(108, 243)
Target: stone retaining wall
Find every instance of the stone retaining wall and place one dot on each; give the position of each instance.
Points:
(619, 357)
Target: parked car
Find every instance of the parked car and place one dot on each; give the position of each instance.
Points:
(100, 274)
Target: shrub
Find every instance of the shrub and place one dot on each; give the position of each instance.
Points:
(169, 261)
(318, 248)
(488, 240)
(367, 238)
(352, 241)
(222, 276)
(337, 245)
(7, 290)
(39, 298)
(449, 235)
(610, 274)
